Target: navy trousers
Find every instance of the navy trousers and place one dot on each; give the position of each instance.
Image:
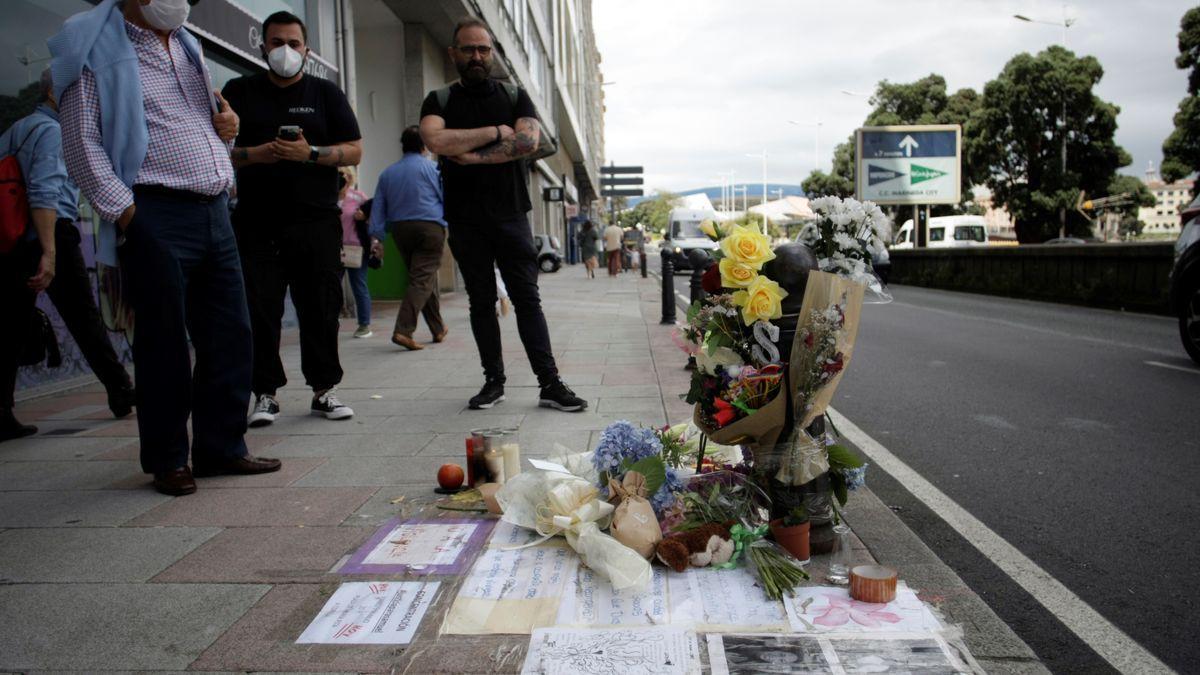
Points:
(183, 278)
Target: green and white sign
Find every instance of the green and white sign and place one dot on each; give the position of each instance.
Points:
(909, 164)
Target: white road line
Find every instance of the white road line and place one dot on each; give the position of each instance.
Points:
(686, 301)
(1181, 369)
(1110, 642)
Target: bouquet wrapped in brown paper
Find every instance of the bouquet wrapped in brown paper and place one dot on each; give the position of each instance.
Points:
(634, 523)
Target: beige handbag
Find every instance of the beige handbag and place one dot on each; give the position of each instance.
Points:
(352, 256)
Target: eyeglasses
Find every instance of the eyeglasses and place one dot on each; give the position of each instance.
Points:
(469, 50)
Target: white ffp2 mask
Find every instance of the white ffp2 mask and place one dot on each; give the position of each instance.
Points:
(285, 61)
(166, 14)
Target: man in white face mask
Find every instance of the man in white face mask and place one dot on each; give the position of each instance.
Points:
(146, 140)
(296, 129)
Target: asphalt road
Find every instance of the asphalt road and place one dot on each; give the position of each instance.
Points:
(1046, 423)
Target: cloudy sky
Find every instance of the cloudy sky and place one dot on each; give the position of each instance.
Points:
(699, 84)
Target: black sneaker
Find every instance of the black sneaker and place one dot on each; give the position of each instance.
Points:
(558, 395)
(491, 394)
(265, 410)
(328, 406)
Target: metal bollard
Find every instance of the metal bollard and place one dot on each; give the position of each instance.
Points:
(668, 287)
(699, 259)
(642, 257)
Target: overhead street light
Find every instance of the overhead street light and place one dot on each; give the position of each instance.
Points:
(1066, 23)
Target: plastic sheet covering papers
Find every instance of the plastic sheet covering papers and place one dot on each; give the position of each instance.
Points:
(381, 612)
(625, 651)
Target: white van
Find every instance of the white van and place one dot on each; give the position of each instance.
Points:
(945, 232)
(683, 235)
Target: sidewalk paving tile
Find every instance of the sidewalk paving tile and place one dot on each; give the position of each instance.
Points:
(649, 406)
(125, 554)
(267, 555)
(265, 638)
(378, 471)
(42, 448)
(264, 507)
(370, 445)
(82, 508)
(64, 475)
(291, 471)
(115, 626)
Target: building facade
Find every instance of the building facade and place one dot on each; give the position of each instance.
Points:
(400, 54)
(1169, 200)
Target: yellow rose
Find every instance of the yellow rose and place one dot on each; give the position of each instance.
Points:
(709, 228)
(760, 301)
(736, 274)
(746, 244)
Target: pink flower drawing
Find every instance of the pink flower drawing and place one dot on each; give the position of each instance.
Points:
(842, 610)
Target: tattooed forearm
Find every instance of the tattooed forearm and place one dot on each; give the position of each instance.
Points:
(521, 144)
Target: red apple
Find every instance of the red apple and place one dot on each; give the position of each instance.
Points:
(450, 476)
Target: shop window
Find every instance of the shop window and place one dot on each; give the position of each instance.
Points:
(27, 25)
(264, 8)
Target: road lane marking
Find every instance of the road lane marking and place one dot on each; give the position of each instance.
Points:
(1181, 369)
(1110, 642)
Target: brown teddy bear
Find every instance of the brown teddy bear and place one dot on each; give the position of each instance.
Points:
(709, 544)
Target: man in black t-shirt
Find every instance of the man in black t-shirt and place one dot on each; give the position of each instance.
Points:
(287, 219)
(483, 131)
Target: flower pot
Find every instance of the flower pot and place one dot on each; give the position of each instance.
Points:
(793, 538)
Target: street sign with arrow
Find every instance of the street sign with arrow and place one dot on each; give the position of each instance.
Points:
(918, 164)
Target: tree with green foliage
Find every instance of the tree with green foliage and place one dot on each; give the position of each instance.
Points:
(1016, 138)
(13, 108)
(1181, 150)
(652, 212)
(925, 101)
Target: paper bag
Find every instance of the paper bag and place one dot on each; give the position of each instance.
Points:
(824, 290)
(634, 523)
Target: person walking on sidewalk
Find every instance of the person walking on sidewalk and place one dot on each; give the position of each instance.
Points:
(296, 130)
(484, 130)
(589, 247)
(355, 238)
(612, 248)
(408, 201)
(146, 141)
(36, 141)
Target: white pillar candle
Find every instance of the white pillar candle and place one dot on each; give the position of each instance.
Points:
(512, 459)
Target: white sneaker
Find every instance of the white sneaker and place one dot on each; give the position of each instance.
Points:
(265, 410)
(363, 332)
(328, 406)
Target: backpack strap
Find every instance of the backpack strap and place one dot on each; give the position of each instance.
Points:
(443, 97)
(511, 90)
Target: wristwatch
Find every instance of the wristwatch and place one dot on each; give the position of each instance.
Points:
(313, 153)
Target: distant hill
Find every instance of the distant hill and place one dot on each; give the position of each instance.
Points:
(754, 192)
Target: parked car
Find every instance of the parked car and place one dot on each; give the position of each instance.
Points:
(945, 232)
(1185, 281)
(683, 235)
(549, 254)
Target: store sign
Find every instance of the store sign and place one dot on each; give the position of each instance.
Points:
(235, 29)
(552, 194)
(909, 164)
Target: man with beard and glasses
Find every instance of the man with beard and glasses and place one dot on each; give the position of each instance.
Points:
(296, 131)
(483, 130)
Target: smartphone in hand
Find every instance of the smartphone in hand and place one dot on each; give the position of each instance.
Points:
(289, 132)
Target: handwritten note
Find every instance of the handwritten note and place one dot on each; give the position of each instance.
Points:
(512, 591)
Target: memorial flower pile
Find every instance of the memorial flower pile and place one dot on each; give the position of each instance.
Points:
(624, 447)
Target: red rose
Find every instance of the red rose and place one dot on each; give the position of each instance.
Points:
(724, 414)
(711, 281)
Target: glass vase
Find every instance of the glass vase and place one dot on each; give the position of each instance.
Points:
(841, 558)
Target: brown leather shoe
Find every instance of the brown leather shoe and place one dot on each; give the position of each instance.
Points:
(441, 337)
(407, 342)
(239, 466)
(175, 483)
